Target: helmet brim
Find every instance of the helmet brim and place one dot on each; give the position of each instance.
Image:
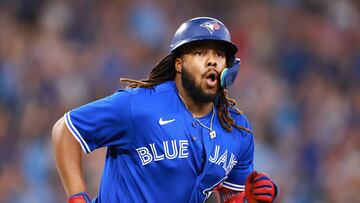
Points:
(230, 48)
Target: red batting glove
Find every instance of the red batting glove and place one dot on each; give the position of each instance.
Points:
(81, 197)
(260, 188)
(225, 195)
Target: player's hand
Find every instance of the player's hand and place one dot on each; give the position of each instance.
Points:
(260, 188)
(81, 197)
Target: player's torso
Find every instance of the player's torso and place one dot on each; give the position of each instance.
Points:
(172, 158)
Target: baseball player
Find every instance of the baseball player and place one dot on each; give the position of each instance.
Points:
(173, 137)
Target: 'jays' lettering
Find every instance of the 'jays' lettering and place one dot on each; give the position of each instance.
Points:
(216, 159)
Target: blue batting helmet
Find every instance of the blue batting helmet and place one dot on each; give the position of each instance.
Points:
(203, 28)
(206, 28)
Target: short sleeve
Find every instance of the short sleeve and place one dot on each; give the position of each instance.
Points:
(105, 122)
(237, 176)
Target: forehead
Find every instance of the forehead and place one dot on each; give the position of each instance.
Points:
(206, 44)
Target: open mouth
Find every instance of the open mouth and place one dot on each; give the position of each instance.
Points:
(211, 78)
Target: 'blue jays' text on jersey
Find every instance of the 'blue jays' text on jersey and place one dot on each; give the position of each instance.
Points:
(157, 152)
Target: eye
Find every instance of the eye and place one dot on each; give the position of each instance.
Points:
(221, 54)
(199, 53)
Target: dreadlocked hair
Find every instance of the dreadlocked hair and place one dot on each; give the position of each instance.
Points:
(162, 72)
(223, 105)
(165, 71)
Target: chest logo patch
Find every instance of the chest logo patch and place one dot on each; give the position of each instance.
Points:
(164, 122)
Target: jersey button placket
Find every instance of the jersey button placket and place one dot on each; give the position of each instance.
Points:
(194, 124)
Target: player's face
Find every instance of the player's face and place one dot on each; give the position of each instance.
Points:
(202, 64)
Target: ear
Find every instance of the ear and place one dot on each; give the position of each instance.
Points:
(178, 65)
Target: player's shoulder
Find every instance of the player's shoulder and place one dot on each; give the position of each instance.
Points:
(159, 93)
(168, 86)
(240, 118)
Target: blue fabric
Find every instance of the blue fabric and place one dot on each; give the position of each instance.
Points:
(157, 152)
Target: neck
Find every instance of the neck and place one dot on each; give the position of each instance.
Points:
(197, 109)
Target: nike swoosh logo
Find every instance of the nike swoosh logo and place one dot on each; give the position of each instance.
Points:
(164, 122)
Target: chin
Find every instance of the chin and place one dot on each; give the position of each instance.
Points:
(210, 90)
(210, 94)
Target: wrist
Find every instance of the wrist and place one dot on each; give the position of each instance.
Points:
(81, 197)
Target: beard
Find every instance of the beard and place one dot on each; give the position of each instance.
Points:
(194, 90)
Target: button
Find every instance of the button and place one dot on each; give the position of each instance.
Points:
(194, 137)
(194, 124)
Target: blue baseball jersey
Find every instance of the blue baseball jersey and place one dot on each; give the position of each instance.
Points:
(156, 150)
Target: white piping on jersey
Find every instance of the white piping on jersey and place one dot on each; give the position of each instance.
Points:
(211, 188)
(76, 133)
(233, 186)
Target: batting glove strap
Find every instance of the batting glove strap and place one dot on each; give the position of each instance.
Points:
(81, 197)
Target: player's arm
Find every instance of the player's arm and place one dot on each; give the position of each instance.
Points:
(101, 123)
(68, 156)
(259, 188)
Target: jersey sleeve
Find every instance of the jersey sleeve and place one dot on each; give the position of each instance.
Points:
(237, 176)
(105, 122)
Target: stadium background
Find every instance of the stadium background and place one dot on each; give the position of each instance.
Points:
(298, 84)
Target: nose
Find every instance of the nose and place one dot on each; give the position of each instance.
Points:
(211, 61)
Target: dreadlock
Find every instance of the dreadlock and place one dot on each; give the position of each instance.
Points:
(162, 72)
(223, 105)
(165, 71)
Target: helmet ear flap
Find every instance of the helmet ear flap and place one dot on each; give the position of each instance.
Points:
(228, 75)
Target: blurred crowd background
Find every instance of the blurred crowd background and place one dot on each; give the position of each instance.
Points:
(299, 84)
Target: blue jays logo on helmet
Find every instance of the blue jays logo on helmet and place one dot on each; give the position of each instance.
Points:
(211, 26)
